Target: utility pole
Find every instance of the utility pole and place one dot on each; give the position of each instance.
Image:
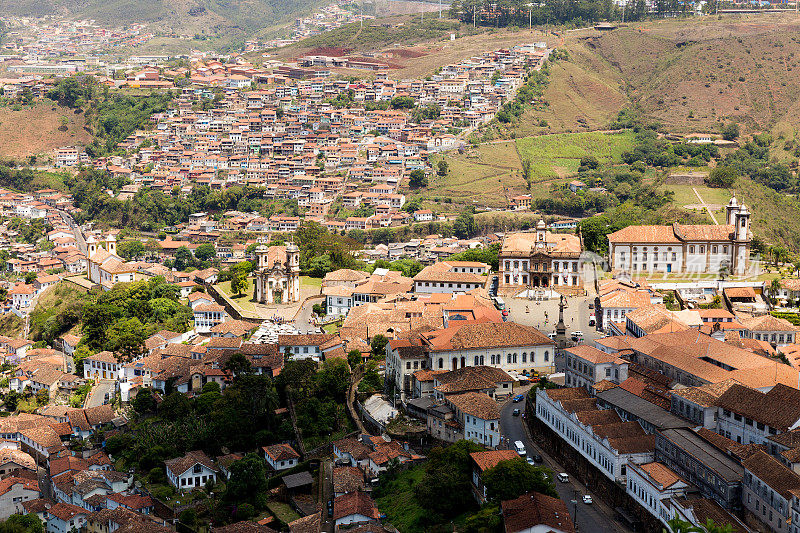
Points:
(440, 9)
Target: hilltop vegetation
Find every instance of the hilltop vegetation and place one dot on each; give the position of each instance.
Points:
(228, 21)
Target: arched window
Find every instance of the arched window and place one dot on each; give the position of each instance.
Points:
(546, 355)
(524, 357)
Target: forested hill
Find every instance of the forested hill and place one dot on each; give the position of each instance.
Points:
(181, 16)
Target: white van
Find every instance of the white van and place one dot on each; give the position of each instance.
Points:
(563, 477)
(519, 447)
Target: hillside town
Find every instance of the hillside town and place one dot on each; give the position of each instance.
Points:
(235, 310)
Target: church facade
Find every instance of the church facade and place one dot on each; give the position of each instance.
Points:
(698, 248)
(277, 274)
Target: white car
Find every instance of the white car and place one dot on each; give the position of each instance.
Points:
(587, 499)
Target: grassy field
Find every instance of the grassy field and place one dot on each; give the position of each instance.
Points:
(684, 195)
(283, 511)
(485, 175)
(558, 156)
(243, 301)
(36, 130)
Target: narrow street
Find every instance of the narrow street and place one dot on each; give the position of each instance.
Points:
(102, 389)
(593, 518)
(76, 230)
(326, 523)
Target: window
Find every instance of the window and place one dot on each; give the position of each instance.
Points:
(691, 249)
(546, 355)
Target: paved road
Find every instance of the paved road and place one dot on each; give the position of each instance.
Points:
(97, 396)
(594, 518)
(302, 321)
(67, 218)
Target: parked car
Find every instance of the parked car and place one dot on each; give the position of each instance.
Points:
(591, 322)
(577, 335)
(587, 499)
(518, 398)
(529, 460)
(515, 412)
(536, 458)
(563, 477)
(591, 306)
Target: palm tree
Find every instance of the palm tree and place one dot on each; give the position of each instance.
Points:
(774, 289)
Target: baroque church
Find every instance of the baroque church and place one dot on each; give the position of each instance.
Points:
(277, 275)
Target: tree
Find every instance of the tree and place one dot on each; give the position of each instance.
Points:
(730, 132)
(130, 249)
(18, 523)
(205, 252)
(248, 479)
(354, 358)
(175, 406)
(464, 226)
(239, 282)
(402, 102)
(774, 289)
(677, 525)
(723, 177)
(378, 345)
(333, 379)
(514, 477)
(126, 339)
(30, 277)
(238, 364)
(188, 517)
(183, 258)
(446, 486)
(589, 162)
(527, 171)
(78, 356)
(144, 402)
(418, 179)
(441, 168)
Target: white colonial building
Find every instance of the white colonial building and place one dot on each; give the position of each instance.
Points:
(191, 471)
(509, 346)
(680, 248)
(611, 456)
